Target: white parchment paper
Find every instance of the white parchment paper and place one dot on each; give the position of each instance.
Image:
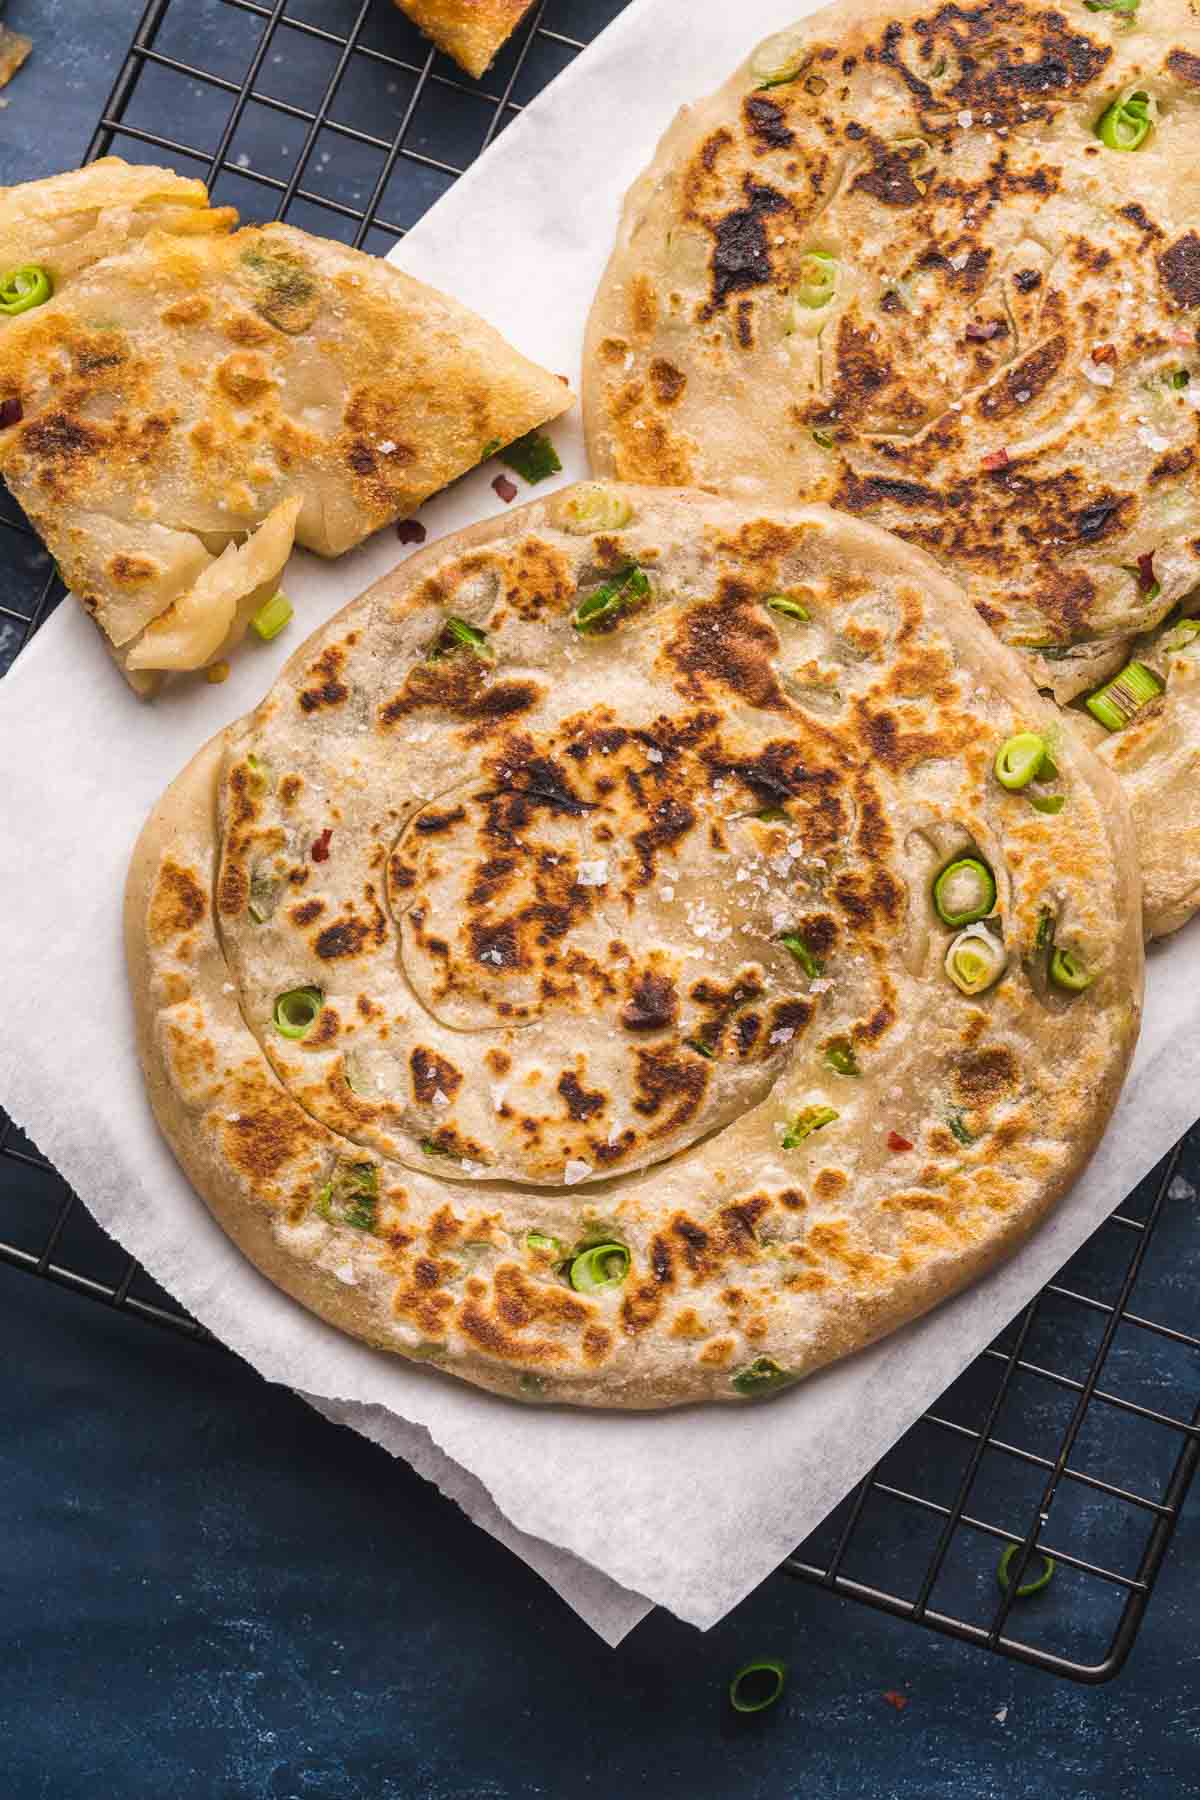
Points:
(690, 1509)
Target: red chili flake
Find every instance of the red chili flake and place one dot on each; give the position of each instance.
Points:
(1104, 353)
(506, 489)
(320, 849)
(980, 334)
(997, 459)
(411, 531)
(896, 1142)
(899, 1701)
(1145, 569)
(11, 412)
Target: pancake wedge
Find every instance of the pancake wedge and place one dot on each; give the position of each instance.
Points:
(163, 402)
(938, 267)
(471, 31)
(609, 966)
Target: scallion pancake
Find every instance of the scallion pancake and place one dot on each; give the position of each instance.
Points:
(609, 964)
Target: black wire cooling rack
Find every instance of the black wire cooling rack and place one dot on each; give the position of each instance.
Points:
(1076, 1434)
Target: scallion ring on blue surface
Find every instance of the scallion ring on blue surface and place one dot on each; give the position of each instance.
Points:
(757, 1685)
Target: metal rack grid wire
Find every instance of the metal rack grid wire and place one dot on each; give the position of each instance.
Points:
(1077, 1433)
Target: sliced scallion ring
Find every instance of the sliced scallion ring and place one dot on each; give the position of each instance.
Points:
(1047, 803)
(297, 1011)
(759, 1377)
(594, 507)
(757, 1685)
(1127, 123)
(783, 603)
(1019, 759)
(23, 289)
(1070, 972)
(975, 960)
(840, 1057)
(1182, 637)
(272, 616)
(457, 634)
(600, 1267)
(816, 279)
(1120, 699)
(813, 1118)
(780, 58)
(1033, 1583)
(964, 891)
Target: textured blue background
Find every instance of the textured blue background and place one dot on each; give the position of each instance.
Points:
(208, 1592)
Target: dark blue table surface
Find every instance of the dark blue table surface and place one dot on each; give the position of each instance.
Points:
(208, 1591)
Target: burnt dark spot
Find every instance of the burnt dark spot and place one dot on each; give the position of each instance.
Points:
(1186, 66)
(580, 1103)
(765, 123)
(1025, 280)
(667, 381)
(670, 820)
(741, 258)
(890, 181)
(495, 946)
(1026, 380)
(327, 688)
(431, 824)
(431, 1073)
(653, 1005)
(671, 1085)
(1093, 522)
(346, 938)
(57, 437)
(1179, 267)
(1137, 215)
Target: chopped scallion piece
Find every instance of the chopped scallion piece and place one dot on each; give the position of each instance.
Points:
(701, 1048)
(351, 1196)
(759, 1377)
(532, 1384)
(456, 635)
(1126, 124)
(272, 616)
(813, 1118)
(431, 1147)
(795, 945)
(1181, 636)
(757, 1686)
(1117, 702)
(824, 439)
(964, 891)
(1069, 971)
(1034, 1583)
(489, 449)
(625, 591)
(1124, 9)
(817, 283)
(840, 1056)
(958, 1128)
(537, 1240)
(771, 815)
(533, 457)
(599, 1268)
(783, 603)
(1045, 929)
(297, 1011)
(1047, 803)
(975, 960)
(1019, 759)
(264, 895)
(23, 289)
(1179, 378)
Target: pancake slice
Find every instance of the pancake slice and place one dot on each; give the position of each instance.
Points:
(471, 31)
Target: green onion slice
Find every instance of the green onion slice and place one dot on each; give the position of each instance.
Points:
(297, 1011)
(975, 960)
(272, 616)
(1035, 1583)
(780, 58)
(759, 1377)
(958, 1128)
(1070, 971)
(264, 895)
(594, 507)
(533, 457)
(813, 1118)
(1126, 124)
(795, 945)
(964, 891)
(456, 635)
(1120, 699)
(783, 603)
(1019, 759)
(627, 590)
(817, 279)
(23, 289)
(537, 1240)
(599, 1268)
(1182, 637)
(840, 1056)
(1044, 935)
(824, 439)
(1047, 803)
(757, 1685)
(1123, 9)
(353, 1190)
